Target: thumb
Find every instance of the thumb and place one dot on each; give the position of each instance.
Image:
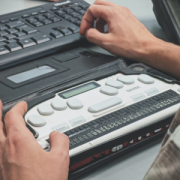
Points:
(59, 144)
(96, 37)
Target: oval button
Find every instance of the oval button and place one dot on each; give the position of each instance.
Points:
(74, 103)
(125, 79)
(45, 109)
(108, 90)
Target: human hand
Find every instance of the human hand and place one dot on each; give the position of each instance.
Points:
(126, 35)
(22, 158)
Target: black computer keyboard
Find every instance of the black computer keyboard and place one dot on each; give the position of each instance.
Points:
(38, 31)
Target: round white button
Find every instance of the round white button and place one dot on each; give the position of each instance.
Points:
(58, 104)
(125, 79)
(109, 90)
(114, 83)
(145, 79)
(74, 103)
(36, 121)
(45, 109)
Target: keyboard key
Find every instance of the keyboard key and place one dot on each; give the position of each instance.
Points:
(15, 24)
(2, 39)
(11, 31)
(67, 17)
(2, 27)
(18, 34)
(10, 41)
(28, 36)
(34, 13)
(31, 20)
(74, 29)
(13, 47)
(54, 8)
(13, 19)
(10, 36)
(60, 13)
(3, 33)
(43, 11)
(25, 15)
(28, 29)
(27, 43)
(56, 34)
(82, 12)
(37, 24)
(76, 8)
(40, 17)
(54, 19)
(3, 50)
(78, 23)
(73, 20)
(41, 39)
(84, 6)
(68, 10)
(2, 43)
(48, 15)
(73, 14)
(65, 31)
(4, 21)
(46, 21)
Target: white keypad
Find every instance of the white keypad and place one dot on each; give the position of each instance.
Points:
(45, 109)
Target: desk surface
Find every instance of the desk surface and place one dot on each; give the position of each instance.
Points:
(133, 165)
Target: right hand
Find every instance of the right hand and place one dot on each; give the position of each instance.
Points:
(126, 36)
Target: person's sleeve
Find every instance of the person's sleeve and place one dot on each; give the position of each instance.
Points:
(167, 164)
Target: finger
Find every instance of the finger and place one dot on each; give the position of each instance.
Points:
(94, 12)
(100, 23)
(59, 144)
(96, 37)
(104, 3)
(14, 118)
(2, 134)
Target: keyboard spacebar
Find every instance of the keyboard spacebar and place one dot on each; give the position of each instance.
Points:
(105, 105)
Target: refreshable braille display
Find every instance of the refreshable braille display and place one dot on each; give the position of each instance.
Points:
(96, 112)
(35, 32)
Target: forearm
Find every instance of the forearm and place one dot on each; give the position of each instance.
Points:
(161, 55)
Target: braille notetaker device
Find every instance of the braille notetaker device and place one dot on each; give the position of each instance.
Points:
(108, 115)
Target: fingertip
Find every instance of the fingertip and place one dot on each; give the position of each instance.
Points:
(23, 105)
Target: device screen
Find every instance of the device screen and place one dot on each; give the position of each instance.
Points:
(30, 74)
(78, 90)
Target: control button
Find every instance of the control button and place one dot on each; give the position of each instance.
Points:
(56, 34)
(3, 27)
(61, 127)
(2, 43)
(138, 97)
(19, 34)
(148, 134)
(27, 43)
(54, 19)
(54, 8)
(145, 79)
(82, 12)
(31, 20)
(114, 149)
(65, 31)
(158, 130)
(25, 16)
(37, 23)
(151, 91)
(4, 21)
(27, 29)
(48, 15)
(59, 13)
(105, 105)
(41, 39)
(119, 147)
(139, 138)
(10, 31)
(131, 142)
(125, 79)
(13, 19)
(40, 17)
(114, 83)
(109, 90)
(15, 24)
(78, 23)
(3, 50)
(74, 29)
(58, 104)
(10, 41)
(68, 10)
(2, 39)
(34, 13)
(36, 121)
(3, 33)
(77, 121)
(74, 103)
(9, 36)
(13, 47)
(46, 21)
(179, 89)
(76, 8)
(43, 11)
(45, 109)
